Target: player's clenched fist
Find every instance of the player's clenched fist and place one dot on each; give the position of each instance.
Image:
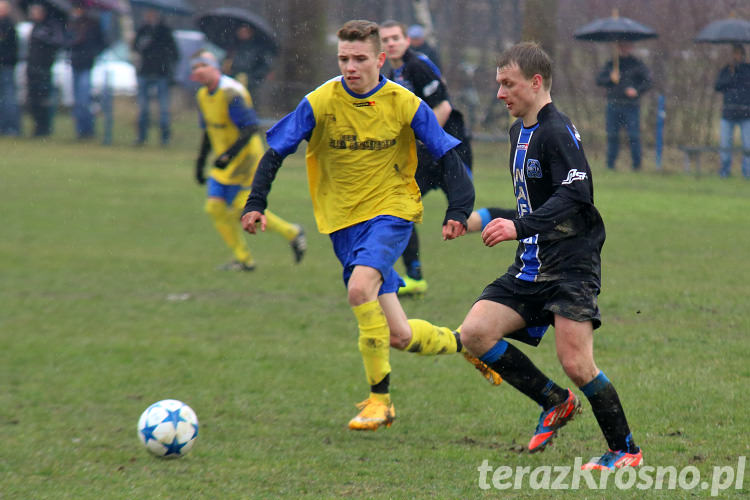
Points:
(453, 229)
(498, 230)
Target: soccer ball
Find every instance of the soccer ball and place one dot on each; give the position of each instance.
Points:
(168, 428)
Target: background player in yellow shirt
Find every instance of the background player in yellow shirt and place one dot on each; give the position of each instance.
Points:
(361, 158)
(230, 127)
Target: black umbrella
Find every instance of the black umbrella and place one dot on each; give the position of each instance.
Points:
(59, 9)
(729, 30)
(103, 5)
(220, 26)
(614, 29)
(179, 7)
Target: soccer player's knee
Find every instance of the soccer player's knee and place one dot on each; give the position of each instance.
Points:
(215, 208)
(400, 337)
(578, 368)
(357, 294)
(470, 336)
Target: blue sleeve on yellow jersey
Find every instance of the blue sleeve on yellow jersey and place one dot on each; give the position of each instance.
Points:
(428, 130)
(241, 114)
(285, 136)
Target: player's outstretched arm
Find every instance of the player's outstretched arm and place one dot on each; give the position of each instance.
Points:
(459, 191)
(200, 161)
(257, 201)
(245, 134)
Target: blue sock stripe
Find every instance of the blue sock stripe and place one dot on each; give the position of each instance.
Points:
(494, 353)
(484, 214)
(597, 384)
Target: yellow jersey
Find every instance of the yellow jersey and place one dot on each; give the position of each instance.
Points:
(223, 113)
(361, 154)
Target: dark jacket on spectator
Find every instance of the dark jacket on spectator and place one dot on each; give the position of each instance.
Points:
(86, 42)
(633, 73)
(8, 43)
(157, 49)
(251, 58)
(736, 88)
(46, 39)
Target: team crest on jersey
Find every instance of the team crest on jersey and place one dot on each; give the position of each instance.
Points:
(576, 134)
(533, 169)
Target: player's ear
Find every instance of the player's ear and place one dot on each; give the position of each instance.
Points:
(381, 60)
(537, 81)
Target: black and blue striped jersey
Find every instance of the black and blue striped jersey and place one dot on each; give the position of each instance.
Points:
(560, 231)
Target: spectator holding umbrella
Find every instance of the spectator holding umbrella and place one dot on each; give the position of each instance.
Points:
(158, 53)
(248, 39)
(247, 60)
(10, 122)
(86, 42)
(625, 78)
(625, 83)
(734, 83)
(46, 39)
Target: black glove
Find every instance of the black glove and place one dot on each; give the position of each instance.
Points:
(199, 177)
(222, 161)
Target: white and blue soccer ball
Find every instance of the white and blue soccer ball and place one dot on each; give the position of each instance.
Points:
(168, 428)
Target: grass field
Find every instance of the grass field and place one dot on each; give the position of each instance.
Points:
(110, 301)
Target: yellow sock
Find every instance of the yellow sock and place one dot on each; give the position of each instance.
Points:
(279, 225)
(428, 339)
(374, 341)
(228, 227)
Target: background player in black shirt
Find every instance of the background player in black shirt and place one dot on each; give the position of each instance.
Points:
(555, 278)
(419, 74)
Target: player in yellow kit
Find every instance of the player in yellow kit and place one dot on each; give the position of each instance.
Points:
(230, 127)
(361, 159)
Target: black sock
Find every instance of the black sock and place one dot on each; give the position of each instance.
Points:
(609, 413)
(382, 386)
(411, 257)
(518, 370)
(459, 345)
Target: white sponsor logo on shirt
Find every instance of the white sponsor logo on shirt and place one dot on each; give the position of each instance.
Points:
(574, 175)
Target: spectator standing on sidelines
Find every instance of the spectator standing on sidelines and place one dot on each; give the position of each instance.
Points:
(734, 83)
(247, 60)
(86, 42)
(625, 84)
(158, 53)
(10, 119)
(47, 37)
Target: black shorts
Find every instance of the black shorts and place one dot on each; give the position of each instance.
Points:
(538, 302)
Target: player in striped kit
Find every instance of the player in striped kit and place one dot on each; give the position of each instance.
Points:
(555, 279)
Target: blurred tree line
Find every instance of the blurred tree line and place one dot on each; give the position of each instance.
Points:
(470, 33)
